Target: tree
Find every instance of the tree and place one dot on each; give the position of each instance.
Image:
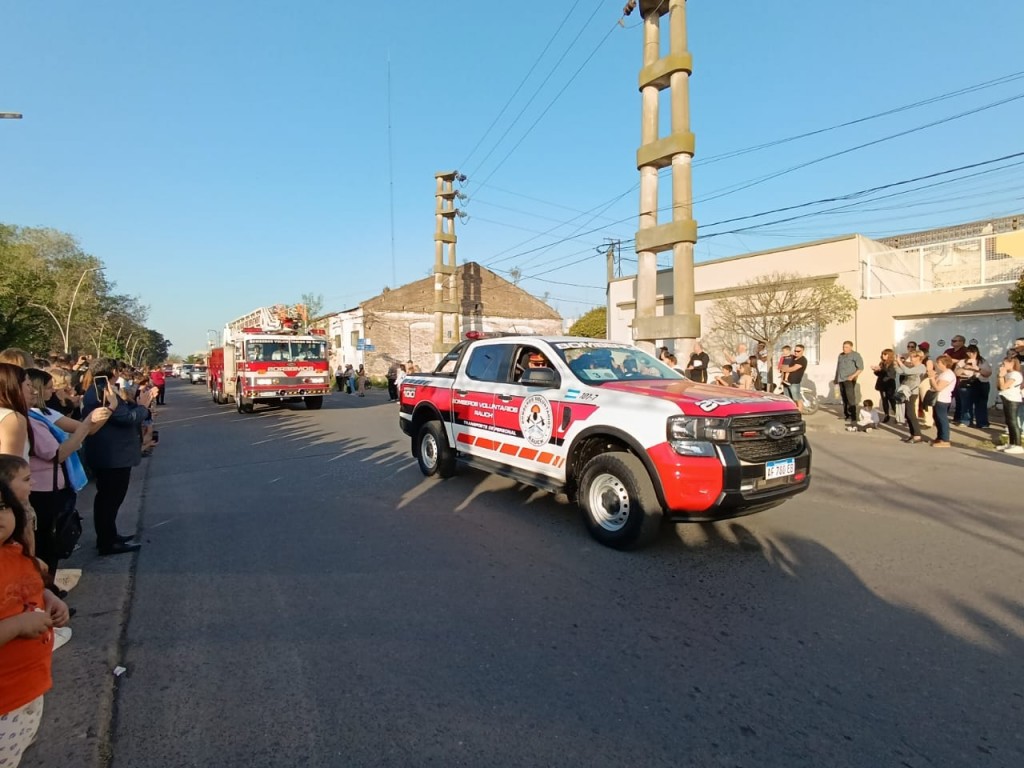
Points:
(592, 324)
(54, 296)
(314, 303)
(1017, 299)
(769, 307)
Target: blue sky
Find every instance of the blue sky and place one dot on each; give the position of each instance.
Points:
(220, 156)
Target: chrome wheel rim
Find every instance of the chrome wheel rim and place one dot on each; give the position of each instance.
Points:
(428, 451)
(609, 503)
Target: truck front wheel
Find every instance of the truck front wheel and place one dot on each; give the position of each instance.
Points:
(243, 404)
(620, 507)
(314, 403)
(434, 455)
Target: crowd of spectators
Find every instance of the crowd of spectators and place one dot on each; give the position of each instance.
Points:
(913, 388)
(922, 392)
(62, 425)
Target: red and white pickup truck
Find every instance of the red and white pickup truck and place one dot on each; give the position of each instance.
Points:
(629, 439)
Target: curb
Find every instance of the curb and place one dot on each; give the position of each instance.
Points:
(79, 710)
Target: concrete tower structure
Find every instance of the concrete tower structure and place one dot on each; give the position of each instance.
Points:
(445, 300)
(669, 72)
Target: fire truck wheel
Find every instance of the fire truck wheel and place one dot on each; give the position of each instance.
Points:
(433, 453)
(314, 403)
(243, 404)
(619, 504)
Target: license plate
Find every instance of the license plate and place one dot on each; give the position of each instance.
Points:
(779, 468)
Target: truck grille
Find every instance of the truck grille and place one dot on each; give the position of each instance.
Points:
(748, 435)
(758, 451)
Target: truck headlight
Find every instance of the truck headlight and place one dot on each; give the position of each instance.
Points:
(697, 428)
(318, 380)
(684, 428)
(264, 382)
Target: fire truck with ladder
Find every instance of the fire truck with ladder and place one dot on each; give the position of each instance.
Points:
(269, 356)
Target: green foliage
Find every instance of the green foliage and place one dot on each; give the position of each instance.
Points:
(1017, 299)
(54, 297)
(592, 325)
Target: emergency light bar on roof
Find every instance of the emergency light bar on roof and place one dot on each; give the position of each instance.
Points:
(474, 335)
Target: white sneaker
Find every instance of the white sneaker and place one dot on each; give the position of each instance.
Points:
(1002, 447)
(1014, 449)
(61, 635)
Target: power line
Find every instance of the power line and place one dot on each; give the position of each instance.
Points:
(895, 110)
(735, 153)
(859, 193)
(760, 180)
(869, 190)
(550, 104)
(540, 87)
(519, 87)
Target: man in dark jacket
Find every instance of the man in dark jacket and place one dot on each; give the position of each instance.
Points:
(112, 452)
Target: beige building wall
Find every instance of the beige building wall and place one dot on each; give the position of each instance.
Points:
(877, 323)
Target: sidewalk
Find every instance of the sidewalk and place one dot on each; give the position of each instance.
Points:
(78, 711)
(829, 419)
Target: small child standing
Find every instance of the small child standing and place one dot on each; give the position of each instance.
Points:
(28, 613)
(867, 418)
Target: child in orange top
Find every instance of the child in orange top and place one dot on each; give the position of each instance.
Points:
(27, 614)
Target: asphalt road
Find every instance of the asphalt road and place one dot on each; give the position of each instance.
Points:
(306, 598)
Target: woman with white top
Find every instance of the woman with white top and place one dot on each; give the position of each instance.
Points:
(14, 438)
(1009, 383)
(943, 381)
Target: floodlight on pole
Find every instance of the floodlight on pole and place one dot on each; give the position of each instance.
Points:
(10, 115)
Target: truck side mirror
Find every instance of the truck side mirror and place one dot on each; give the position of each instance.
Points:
(541, 377)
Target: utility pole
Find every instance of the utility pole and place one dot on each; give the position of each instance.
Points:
(446, 306)
(676, 150)
(611, 256)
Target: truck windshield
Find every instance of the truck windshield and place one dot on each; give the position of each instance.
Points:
(595, 362)
(286, 351)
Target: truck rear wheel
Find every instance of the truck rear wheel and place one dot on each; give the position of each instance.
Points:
(433, 453)
(314, 403)
(620, 507)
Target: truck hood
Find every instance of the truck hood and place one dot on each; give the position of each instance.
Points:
(686, 394)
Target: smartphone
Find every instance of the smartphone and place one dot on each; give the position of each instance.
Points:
(100, 384)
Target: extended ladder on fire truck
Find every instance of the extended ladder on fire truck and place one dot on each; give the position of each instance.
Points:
(279, 318)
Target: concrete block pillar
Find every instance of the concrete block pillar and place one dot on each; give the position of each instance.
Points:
(672, 72)
(445, 301)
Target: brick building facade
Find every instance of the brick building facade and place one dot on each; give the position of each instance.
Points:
(398, 324)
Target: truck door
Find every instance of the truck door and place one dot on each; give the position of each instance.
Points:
(531, 417)
(473, 399)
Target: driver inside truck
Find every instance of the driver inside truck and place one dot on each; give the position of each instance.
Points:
(280, 353)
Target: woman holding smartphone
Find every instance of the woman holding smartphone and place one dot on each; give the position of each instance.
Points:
(112, 452)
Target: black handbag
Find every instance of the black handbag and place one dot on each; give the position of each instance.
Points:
(930, 398)
(68, 523)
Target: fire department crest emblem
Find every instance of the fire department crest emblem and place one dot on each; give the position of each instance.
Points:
(535, 420)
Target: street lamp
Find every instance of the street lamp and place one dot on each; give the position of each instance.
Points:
(10, 115)
(65, 330)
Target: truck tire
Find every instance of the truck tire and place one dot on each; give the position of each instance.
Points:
(617, 498)
(314, 403)
(242, 404)
(433, 453)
